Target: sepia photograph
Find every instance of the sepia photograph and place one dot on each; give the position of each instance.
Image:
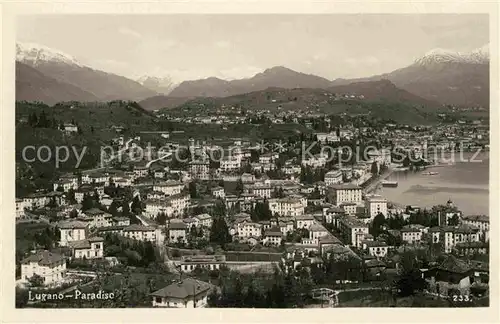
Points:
(268, 161)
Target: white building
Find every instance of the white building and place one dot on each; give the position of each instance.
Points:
(246, 229)
(482, 222)
(263, 191)
(71, 231)
(333, 177)
(376, 204)
(376, 248)
(70, 128)
(99, 218)
(317, 161)
(204, 220)
(218, 192)
(411, 235)
(177, 232)
(230, 163)
(211, 262)
(199, 170)
(154, 207)
(304, 221)
(286, 206)
(345, 193)
(92, 248)
(50, 266)
(353, 231)
(140, 233)
(20, 205)
(316, 231)
(169, 188)
(272, 236)
(179, 204)
(65, 184)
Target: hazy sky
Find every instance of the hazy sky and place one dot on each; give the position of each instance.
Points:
(234, 46)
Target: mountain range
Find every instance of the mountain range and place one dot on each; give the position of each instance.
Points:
(439, 77)
(94, 85)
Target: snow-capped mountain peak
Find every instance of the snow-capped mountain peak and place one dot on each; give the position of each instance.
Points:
(35, 54)
(163, 85)
(478, 56)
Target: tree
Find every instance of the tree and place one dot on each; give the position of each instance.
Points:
(278, 193)
(73, 213)
(113, 208)
(239, 187)
(136, 206)
(36, 280)
(219, 232)
(410, 279)
(193, 190)
(125, 208)
(161, 218)
(149, 255)
(261, 211)
(70, 196)
(377, 224)
(87, 202)
(374, 169)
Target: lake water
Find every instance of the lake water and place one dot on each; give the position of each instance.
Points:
(465, 183)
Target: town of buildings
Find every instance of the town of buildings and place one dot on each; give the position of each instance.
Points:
(298, 217)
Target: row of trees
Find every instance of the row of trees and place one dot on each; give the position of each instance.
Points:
(283, 291)
(131, 252)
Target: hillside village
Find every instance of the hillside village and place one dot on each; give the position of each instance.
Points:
(259, 208)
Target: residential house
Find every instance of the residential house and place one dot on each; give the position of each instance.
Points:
(304, 221)
(480, 221)
(140, 233)
(353, 230)
(411, 235)
(286, 206)
(211, 262)
(272, 236)
(333, 177)
(376, 248)
(263, 191)
(247, 229)
(450, 236)
(179, 204)
(376, 204)
(316, 231)
(199, 170)
(91, 248)
(20, 206)
(218, 192)
(204, 220)
(121, 221)
(332, 214)
(186, 293)
(72, 231)
(472, 248)
(344, 193)
(286, 226)
(70, 128)
(451, 277)
(99, 218)
(50, 266)
(230, 163)
(169, 188)
(177, 232)
(157, 206)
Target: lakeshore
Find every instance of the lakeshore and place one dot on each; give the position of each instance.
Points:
(466, 184)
